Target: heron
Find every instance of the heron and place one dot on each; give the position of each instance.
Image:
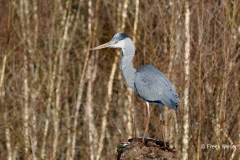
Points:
(147, 81)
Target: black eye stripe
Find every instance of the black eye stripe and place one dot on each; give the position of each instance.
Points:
(118, 37)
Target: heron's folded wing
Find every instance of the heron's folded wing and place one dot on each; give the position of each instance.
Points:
(153, 86)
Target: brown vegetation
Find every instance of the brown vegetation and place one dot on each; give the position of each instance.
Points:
(60, 101)
(150, 149)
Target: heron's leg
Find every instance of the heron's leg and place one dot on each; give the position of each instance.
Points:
(161, 123)
(148, 119)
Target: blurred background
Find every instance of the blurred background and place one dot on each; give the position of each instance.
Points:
(61, 101)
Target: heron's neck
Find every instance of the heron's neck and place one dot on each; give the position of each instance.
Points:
(127, 67)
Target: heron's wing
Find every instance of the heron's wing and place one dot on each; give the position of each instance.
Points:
(153, 86)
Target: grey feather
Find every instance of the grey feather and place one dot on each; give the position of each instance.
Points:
(153, 86)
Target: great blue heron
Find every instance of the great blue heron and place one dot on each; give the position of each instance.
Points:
(147, 81)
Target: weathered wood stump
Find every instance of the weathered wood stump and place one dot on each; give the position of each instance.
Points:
(149, 149)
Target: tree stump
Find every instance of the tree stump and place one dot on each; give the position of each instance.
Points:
(149, 149)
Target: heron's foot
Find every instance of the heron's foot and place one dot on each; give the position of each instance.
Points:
(144, 140)
(164, 146)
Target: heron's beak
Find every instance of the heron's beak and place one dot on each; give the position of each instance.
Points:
(105, 45)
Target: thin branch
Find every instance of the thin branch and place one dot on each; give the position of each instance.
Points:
(185, 138)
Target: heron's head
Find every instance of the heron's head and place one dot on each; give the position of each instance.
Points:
(118, 41)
